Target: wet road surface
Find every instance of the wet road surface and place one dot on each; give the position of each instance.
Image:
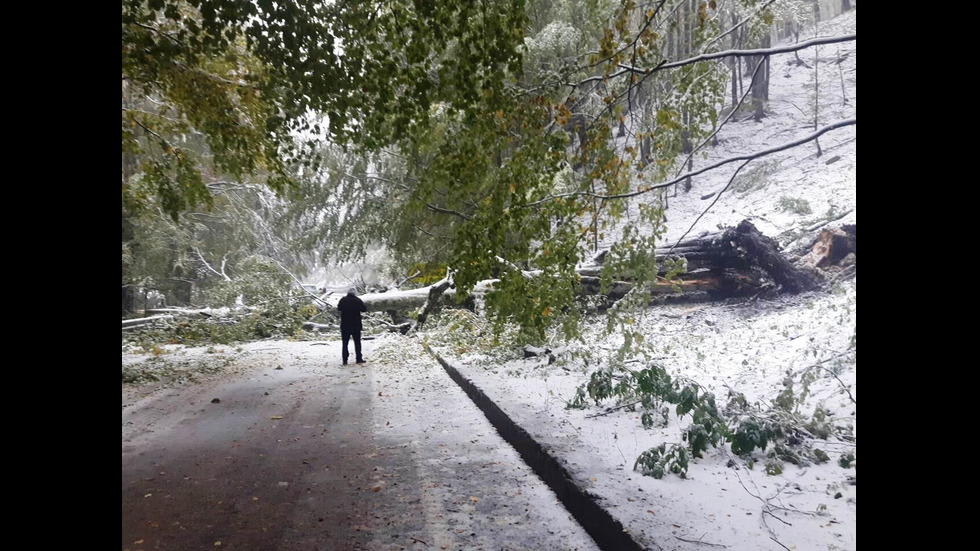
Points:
(317, 455)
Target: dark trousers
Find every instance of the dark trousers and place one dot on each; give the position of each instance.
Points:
(345, 335)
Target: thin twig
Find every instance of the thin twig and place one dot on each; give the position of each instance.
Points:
(724, 54)
(718, 129)
(639, 34)
(736, 25)
(825, 222)
(702, 542)
(299, 284)
(434, 208)
(717, 197)
(612, 409)
(768, 512)
(846, 388)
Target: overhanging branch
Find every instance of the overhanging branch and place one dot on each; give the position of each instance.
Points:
(748, 157)
(434, 208)
(624, 69)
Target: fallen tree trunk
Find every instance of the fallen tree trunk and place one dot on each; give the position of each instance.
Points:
(395, 300)
(732, 262)
(831, 246)
(435, 293)
(741, 249)
(201, 313)
(136, 323)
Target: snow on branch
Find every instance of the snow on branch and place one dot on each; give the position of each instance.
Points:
(299, 284)
(220, 274)
(514, 267)
(434, 208)
(435, 292)
(624, 69)
(747, 157)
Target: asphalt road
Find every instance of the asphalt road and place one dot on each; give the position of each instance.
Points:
(322, 456)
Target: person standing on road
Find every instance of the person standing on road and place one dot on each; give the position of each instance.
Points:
(350, 323)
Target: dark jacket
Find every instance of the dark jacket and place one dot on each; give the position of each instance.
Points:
(350, 312)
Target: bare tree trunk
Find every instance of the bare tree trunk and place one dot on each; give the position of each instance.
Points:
(732, 64)
(595, 221)
(687, 147)
(128, 306)
(768, 69)
(435, 293)
(816, 78)
(738, 65)
(840, 70)
(758, 94)
(128, 160)
(760, 84)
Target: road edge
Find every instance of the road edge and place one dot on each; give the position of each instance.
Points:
(607, 532)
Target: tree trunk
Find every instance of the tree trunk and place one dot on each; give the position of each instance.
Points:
(768, 71)
(758, 94)
(732, 262)
(128, 325)
(738, 68)
(686, 148)
(741, 249)
(733, 62)
(432, 299)
(128, 302)
(760, 85)
(816, 96)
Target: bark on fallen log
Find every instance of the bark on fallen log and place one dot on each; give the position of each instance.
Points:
(732, 262)
(204, 313)
(432, 299)
(141, 322)
(741, 249)
(534, 351)
(394, 300)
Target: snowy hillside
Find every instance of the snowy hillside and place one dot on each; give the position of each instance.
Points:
(786, 192)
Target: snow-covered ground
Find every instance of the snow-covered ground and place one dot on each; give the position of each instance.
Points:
(746, 347)
(749, 348)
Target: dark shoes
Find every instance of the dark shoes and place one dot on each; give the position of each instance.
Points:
(361, 361)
